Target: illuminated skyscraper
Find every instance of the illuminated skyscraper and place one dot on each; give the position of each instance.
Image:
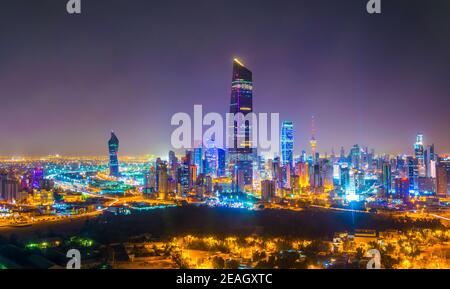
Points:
(342, 155)
(303, 174)
(287, 143)
(268, 190)
(113, 146)
(286, 176)
(345, 177)
(162, 180)
(355, 156)
(351, 190)
(37, 177)
(402, 188)
(183, 176)
(172, 158)
(198, 160)
(241, 154)
(441, 181)
(241, 102)
(387, 178)
(150, 181)
(412, 173)
(430, 162)
(313, 141)
(211, 158)
(173, 165)
(220, 162)
(419, 154)
(9, 187)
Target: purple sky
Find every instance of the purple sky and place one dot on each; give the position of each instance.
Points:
(67, 81)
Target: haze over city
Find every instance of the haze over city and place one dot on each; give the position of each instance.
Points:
(97, 169)
(67, 81)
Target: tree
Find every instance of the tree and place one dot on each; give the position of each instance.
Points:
(232, 264)
(218, 262)
(287, 259)
(316, 247)
(360, 253)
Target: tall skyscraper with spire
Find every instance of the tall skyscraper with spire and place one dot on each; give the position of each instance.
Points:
(313, 141)
(113, 147)
(241, 155)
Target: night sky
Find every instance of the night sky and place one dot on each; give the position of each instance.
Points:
(67, 80)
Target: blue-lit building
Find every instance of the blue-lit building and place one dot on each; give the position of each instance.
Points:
(387, 178)
(412, 173)
(221, 162)
(172, 158)
(355, 156)
(113, 147)
(211, 158)
(198, 160)
(37, 177)
(184, 174)
(287, 143)
(345, 177)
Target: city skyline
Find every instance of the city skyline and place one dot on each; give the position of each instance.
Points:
(226, 134)
(377, 85)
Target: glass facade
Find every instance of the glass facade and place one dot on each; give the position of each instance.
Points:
(113, 147)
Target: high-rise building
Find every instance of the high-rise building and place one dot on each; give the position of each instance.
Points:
(172, 158)
(401, 167)
(313, 141)
(163, 181)
(303, 174)
(268, 190)
(150, 181)
(327, 175)
(315, 176)
(211, 158)
(355, 156)
(430, 162)
(387, 178)
(113, 147)
(342, 155)
(351, 190)
(158, 165)
(37, 177)
(173, 165)
(9, 188)
(441, 181)
(402, 188)
(241, 154)
(345, 177)
(220, 162)
(419, 154)
(303, 156)
(198, 160)
(184, 178)
(412, 173)
(425, 185)
(287, 143)
(277, 173)
(286, 176)
(193, 176)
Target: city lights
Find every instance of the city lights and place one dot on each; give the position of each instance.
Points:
(240, 136)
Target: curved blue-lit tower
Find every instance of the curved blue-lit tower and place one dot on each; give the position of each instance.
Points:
(113, 147)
